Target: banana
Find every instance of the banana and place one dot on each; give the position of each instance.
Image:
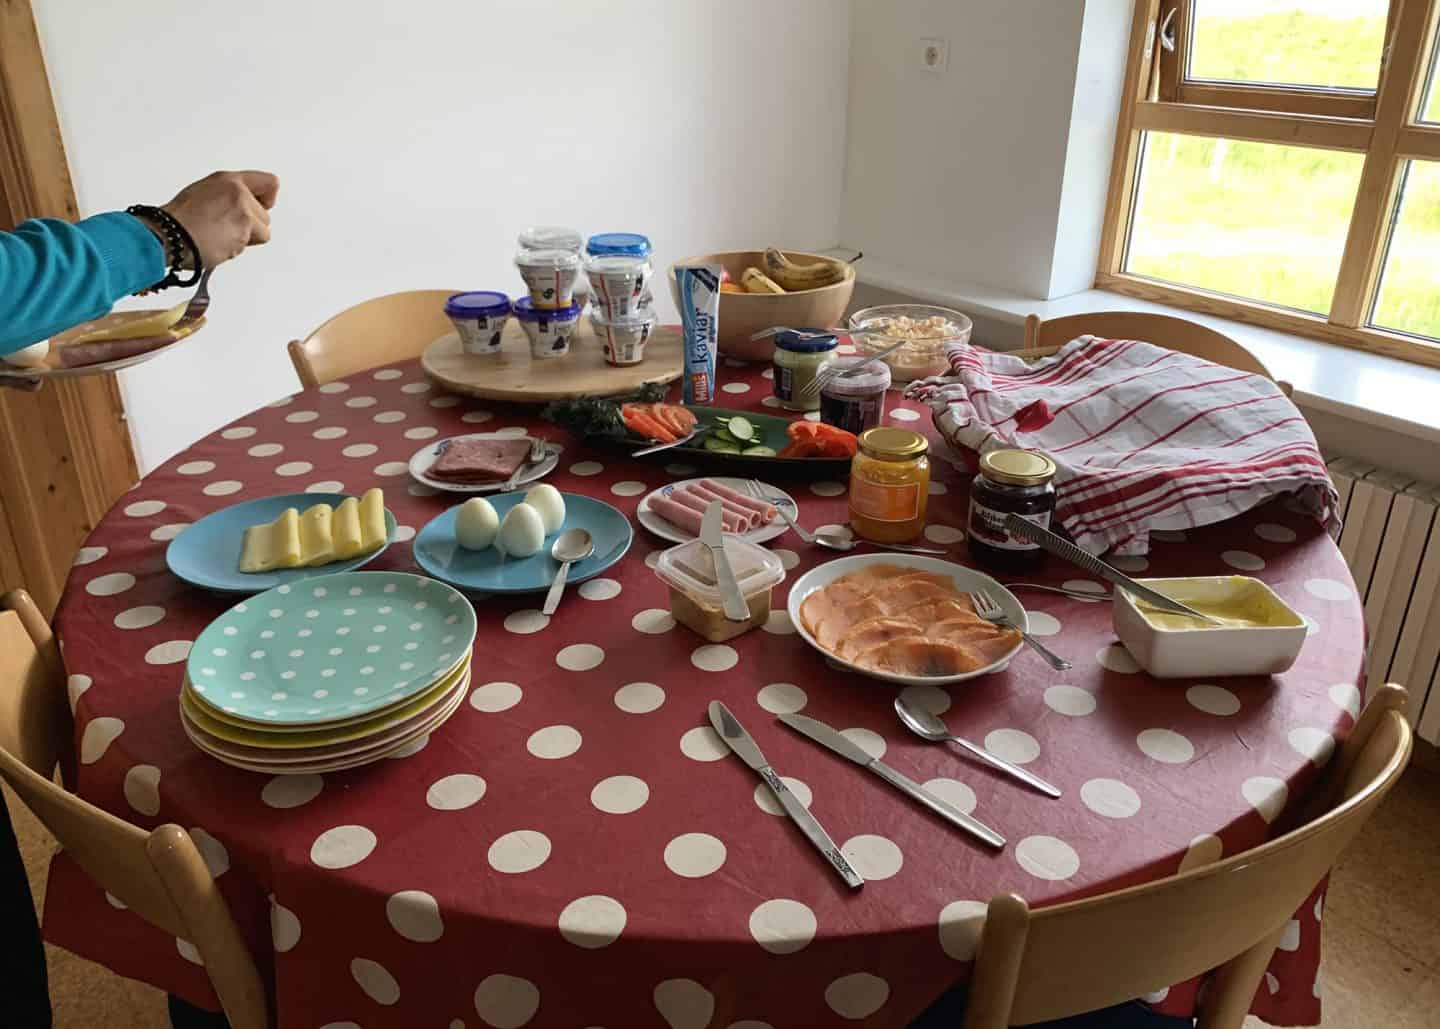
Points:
(795, 276)
(756, 281)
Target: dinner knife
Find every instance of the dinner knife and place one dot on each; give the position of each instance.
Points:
(745, 748)
(845, 747)
(713, 536)
(1063, 548)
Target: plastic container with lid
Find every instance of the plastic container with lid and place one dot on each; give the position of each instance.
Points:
(799, 356)
(689, 571)
(1010, 482)
(890, 485)
(550, 237)
(623, 338)
(618, 283)
(550, 329)
(855, 402)
(479, 318)
(618, 244)
(549, 276)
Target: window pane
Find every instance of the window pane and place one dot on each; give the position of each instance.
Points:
(1430, 106)
(1317, 43)
(1409, 298)
(1254, 220)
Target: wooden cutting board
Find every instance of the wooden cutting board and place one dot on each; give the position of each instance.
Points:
(512, 376)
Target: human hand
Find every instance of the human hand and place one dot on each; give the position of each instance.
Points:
(225, 212)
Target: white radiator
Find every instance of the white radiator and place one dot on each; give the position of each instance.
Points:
(1391, 540)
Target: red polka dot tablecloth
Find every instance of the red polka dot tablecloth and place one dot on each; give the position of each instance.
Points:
(576, 847)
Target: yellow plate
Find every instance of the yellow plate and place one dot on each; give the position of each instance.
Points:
(204, 720)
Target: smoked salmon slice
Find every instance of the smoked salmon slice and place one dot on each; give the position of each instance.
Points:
(920, 655)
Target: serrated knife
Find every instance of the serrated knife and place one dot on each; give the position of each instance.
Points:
(745, 748)
(845, 747)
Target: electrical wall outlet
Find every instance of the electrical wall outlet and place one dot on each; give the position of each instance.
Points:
(934, 54)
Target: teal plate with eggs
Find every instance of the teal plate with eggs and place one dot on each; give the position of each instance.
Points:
(438, 552)
(331, 647)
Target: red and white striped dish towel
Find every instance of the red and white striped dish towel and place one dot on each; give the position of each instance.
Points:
(1143, 438)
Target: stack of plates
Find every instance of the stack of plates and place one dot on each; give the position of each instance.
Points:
(327, 674)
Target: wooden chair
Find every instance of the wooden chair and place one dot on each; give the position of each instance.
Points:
(1043, 338)
(1090, 954)
(374, 332)
(159, 875)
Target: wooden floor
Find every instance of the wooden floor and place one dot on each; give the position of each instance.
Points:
(1381, 945)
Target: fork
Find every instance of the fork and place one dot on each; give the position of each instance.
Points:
(538, 452)
(987, 608)
(200, 302)
(831, 372)
(757, 491)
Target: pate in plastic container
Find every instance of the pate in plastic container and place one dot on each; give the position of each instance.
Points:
(623, 337)
(549, 276)
(618, 283)
(689, 571)
(479, 318)
(550, 329)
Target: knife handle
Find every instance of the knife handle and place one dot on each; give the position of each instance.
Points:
(949, 812)
(813, 830)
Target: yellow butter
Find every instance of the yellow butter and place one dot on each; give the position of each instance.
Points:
(372, 519)
(272, 545)
(345, 530)
(317, 542)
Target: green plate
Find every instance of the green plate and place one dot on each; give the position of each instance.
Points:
(770, 431)
(330, 647)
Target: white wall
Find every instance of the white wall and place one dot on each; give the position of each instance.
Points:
(963, 175)
(414, 139)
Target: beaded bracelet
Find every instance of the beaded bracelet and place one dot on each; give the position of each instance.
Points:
(178, 242)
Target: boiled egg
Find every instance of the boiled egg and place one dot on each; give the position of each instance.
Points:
(522, 533)
(476, 524)
(548, 500)
(32, 356)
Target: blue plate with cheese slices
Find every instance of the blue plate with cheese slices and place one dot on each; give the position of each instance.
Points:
(438, 552)
(207, 553)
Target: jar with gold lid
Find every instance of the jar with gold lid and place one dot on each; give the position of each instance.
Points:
(1018, 482)
(890, 485)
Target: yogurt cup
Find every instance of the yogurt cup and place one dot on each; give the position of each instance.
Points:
(618, 283)
(550, 237)
(549, 276)
(480, 319)
(618, 244)
(623, 338)
(550, 329)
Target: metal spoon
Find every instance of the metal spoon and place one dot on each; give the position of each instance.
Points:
(571, 546)
(844, 543)
(930, 726)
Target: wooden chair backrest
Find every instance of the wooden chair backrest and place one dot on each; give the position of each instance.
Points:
(1043, 338)
(1093, 953)
(374, 332)
(158, 875)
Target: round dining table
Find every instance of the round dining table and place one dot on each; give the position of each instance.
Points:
(576, 847)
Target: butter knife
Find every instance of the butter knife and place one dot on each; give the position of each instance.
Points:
(845, 747)
(745, 748)
(713, 536)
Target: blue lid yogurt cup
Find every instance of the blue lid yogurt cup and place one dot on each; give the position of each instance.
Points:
(479, 319)
(618, 244)
(550, 329)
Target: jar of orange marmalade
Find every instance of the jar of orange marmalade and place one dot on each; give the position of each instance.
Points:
(889, 485)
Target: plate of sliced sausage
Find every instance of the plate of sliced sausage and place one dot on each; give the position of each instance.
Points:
(674, 512)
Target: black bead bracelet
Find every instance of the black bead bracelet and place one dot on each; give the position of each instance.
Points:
(178, 243)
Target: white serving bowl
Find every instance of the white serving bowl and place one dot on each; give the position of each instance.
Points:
(1200, 652)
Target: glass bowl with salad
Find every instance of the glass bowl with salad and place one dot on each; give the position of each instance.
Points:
(922, 330)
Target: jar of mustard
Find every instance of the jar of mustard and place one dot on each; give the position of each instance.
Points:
(890, 485)
(1010, 482)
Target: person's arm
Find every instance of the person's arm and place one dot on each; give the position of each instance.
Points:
(54, 274)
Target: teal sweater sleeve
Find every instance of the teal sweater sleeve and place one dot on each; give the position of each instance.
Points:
(54, 274)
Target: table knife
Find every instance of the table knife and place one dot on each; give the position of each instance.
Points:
(745, 748)
(845, 747)
(1063, 548)
(713, 536)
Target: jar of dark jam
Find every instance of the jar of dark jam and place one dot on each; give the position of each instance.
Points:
(1010, 482)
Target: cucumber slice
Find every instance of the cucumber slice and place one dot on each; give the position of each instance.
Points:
(721, 446)
(758, 451)
(741, 429)
(723, 436)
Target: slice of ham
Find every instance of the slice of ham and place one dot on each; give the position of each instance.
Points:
(765, 510)
(730, 521)
(750, 516)
(480, 460)
(684, 518)
(82, 355)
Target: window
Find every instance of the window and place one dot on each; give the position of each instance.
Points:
(1278, 161)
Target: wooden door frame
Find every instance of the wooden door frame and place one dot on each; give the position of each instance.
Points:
(65, 452)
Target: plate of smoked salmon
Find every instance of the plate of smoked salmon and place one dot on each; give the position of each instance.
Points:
(904, 618)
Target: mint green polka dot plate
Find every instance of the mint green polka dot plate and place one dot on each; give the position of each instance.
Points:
(331, 647)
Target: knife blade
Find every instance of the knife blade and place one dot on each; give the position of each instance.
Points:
(713, 536)
(745, 748)
(841, 744)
